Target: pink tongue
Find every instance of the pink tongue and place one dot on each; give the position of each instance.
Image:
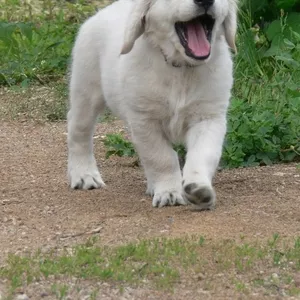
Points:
(197, 40)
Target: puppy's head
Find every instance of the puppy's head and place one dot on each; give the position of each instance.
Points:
(184, 30)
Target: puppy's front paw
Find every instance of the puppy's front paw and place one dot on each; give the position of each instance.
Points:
(202, 196)
(168, 198)
(85, 178)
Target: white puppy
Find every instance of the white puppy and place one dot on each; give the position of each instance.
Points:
(165, 68)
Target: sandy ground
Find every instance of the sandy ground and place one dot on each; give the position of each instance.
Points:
(39, 211)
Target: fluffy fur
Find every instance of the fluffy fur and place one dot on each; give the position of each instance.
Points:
(128, 57)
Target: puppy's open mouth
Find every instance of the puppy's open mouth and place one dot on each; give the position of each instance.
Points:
(195, 36)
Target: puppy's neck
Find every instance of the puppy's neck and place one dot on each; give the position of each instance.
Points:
(173, 63)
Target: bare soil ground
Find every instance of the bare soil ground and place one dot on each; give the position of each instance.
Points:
(39, 210)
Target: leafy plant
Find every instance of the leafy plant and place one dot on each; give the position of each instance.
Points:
(119, 146)
(259, 133)
(263, 125)
(32, 52)
(264, 11)
(36, 39)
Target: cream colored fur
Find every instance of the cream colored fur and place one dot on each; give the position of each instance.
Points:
(124, 58)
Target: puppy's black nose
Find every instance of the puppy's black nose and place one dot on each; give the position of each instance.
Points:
(206, 4)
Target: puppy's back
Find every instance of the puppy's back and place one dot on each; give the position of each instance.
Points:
(106, 27)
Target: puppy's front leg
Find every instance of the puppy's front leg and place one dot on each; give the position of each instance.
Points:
(204, 148)
(160, 162)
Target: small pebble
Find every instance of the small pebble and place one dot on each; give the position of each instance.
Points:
(22, 297)
(44, 294)
(200, 276)
(297, 280)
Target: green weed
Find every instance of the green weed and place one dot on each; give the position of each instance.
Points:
(263, 122)
(60, 291)
(240, 286)
(117, 145)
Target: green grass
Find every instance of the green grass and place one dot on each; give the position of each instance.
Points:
(163, 264)
(60, 291)
(36, 39)
(35, 52)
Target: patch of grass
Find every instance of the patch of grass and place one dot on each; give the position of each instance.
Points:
(294, 291)
(153, 260)
(34, 52)
(273, 242)
(240, 286)
(36, 39)
(162, 263)
(60, 291)
(93, 295)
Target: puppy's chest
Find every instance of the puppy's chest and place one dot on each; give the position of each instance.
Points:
(176, 99)
(181, 106)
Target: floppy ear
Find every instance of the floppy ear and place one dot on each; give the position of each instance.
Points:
(135, 24)
(230, 25)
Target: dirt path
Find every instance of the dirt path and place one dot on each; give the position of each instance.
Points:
(38, 210)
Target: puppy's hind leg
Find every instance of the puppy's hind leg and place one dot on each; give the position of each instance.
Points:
(86, 102)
